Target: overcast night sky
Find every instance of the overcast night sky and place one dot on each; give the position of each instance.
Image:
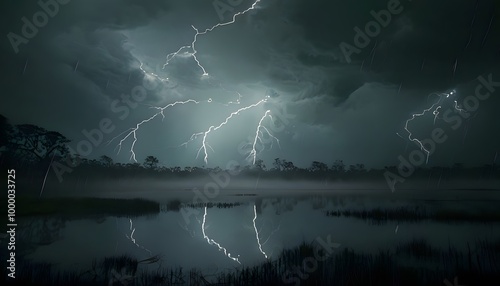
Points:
(68, 76)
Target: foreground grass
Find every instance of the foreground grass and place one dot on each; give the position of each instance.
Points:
(479, 265)
(30, 206)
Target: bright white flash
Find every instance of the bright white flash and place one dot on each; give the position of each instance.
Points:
(257, 233)
(131, 237)
(192, 47)
(190, 51)
(258, 136)
(436, 107)
(204, 144)
(213, 242)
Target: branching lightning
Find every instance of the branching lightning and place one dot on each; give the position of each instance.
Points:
(204, 144)
(213, 242)
(188, 51)
(258, 134)
(192, 47)
(131, 238)
(436, 107)
(133, 131)
(257, 233)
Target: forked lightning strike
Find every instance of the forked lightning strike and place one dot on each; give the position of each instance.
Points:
(190, 51)
(213, 242)
(257, 234)
(133, 131)
(131, 237)
(436, 108)
(214, 128)
(198, 33)
(258, 134)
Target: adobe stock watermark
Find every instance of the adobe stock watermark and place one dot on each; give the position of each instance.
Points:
(30, 28)
(321, 252)
(372, 29)
(417, 157)
(221, 179)
(223, 6)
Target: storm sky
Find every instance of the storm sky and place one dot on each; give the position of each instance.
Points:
(73, 72)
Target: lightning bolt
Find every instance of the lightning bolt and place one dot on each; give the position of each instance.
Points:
(458, 108)
(133, 131)
(257, 234)
(190, 51)
(192, 47)
(435, 107)
(153, 74)
(213, 242)
(175, 54)
(436, 113)
(131, 238)
(215, 128)
(258, 134)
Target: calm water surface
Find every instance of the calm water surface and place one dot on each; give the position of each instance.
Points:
(247, 230)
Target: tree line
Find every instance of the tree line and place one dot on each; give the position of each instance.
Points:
(33, 148)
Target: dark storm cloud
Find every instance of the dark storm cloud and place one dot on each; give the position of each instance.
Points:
(76, 63)
(93, 14)
(419, 46)
(288, 50)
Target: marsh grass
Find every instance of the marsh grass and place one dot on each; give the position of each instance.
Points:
(478, 265)
(176, 205)
(379, 215)
(418, 249)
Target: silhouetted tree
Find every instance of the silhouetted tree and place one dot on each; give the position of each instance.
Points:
(288, 166)
(215, 169)
(151, 162)
(338, 166)
(318, 167)
(277, 164)
(106, 161)
(360, 167)
(259, 165)
(37, 144)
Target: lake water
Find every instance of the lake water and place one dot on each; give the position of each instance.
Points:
(212, 239)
